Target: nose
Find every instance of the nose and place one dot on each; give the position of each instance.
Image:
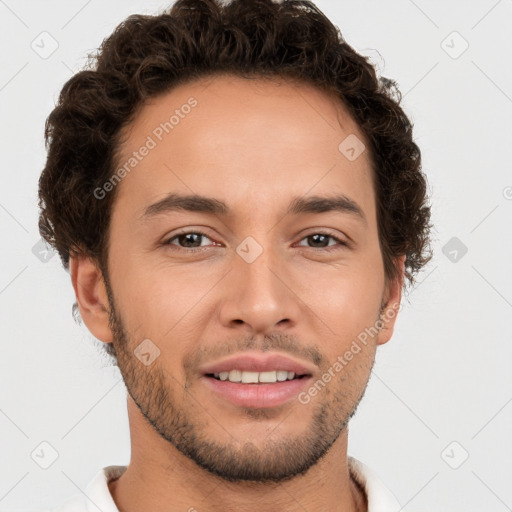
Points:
(258, 296)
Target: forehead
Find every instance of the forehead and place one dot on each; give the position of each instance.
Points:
(245, 141)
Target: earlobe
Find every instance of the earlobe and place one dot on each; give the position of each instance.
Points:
(91, 296)
(391, 304)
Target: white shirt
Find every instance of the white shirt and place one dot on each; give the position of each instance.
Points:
(97, 495)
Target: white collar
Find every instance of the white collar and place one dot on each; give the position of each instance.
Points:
(380, 498)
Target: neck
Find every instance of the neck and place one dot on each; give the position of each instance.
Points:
(162, 479)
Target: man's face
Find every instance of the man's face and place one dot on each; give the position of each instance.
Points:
(254, 280)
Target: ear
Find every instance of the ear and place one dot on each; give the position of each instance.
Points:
(91, 296)
(391, 305)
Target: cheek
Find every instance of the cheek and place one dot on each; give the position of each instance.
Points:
(348, 301)
(162, 303)
(352, 284)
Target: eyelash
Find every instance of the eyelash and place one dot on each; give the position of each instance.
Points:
(341, 243)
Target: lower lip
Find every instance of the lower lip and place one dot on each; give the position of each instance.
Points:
(258, 395)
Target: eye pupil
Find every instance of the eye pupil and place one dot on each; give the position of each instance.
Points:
(183, 239)
(317, 236)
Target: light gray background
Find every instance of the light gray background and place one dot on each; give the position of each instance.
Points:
(444, 377)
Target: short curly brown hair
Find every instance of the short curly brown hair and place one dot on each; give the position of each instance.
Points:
(149, 55)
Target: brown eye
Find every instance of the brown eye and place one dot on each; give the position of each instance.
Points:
(187, 240)
(321, 241)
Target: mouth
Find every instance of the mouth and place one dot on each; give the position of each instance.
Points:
(249, 377)
(249, 389)
(257, 380)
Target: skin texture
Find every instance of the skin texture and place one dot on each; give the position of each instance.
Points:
(254, 144)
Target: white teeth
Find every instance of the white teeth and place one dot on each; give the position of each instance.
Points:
(249, 377)
(235, 376)
(255, 377)
(282, 375)
(267, 377)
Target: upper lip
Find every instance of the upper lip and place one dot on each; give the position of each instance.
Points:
(258, 362)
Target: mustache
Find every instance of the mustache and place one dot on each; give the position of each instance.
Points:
(273, 342)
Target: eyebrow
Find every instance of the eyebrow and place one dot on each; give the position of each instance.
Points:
(299, 205)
